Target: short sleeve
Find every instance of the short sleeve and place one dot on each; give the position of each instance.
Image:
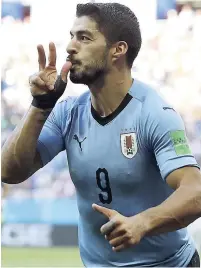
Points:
(52, 137)
(165, 136)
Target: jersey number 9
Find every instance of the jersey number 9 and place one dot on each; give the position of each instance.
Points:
(103, 183)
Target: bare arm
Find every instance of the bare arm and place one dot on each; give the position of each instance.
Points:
(19, 157)
(181, 208)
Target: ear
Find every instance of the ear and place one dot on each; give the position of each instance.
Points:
(119, 50)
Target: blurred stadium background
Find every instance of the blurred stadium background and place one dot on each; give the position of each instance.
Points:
(39, 216)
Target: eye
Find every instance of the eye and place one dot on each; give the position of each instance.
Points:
(84, 38)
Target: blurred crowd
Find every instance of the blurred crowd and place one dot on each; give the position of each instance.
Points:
(170, 60)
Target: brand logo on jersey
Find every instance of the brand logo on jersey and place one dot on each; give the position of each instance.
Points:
(75, 137)
(129, 144)
(168, 108)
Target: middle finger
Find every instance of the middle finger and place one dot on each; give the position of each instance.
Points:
(115, 233)
(108, 227)
(52, 55)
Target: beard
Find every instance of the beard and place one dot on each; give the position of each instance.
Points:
(87, 77)
(91, 73)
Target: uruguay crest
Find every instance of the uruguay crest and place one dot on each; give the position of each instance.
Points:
(129, 144)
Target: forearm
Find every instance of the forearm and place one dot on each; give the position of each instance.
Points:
(176, 212)
(20, 148)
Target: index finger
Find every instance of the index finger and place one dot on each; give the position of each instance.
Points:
(41, 57)
(52, 55)
(103, 210)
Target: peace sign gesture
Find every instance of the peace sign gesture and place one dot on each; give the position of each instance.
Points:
(43, 82)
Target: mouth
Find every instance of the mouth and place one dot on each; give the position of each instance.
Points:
(75, 66)
(74, 62)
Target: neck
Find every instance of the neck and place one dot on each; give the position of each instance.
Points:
(108, 93)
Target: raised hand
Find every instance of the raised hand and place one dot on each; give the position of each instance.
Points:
(46, 85)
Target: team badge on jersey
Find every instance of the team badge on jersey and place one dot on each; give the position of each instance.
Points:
(129, 144)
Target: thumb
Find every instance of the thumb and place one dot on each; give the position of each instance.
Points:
(65, 70)
(109, 213)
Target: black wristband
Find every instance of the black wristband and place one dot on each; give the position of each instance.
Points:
(47, 101)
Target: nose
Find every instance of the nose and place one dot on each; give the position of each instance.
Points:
(72, 48)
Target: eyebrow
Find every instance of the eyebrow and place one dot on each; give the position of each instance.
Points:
(80, 32)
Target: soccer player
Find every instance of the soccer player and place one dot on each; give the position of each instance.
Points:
(138, 185)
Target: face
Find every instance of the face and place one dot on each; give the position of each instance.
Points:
(88, 52)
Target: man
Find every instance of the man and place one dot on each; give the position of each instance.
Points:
(137, 183)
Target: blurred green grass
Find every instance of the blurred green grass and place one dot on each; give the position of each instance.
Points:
(40, 257)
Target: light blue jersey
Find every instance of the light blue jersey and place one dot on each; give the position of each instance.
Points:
(121, 162)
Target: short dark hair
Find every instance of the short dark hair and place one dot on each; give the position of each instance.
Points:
(117, 22)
